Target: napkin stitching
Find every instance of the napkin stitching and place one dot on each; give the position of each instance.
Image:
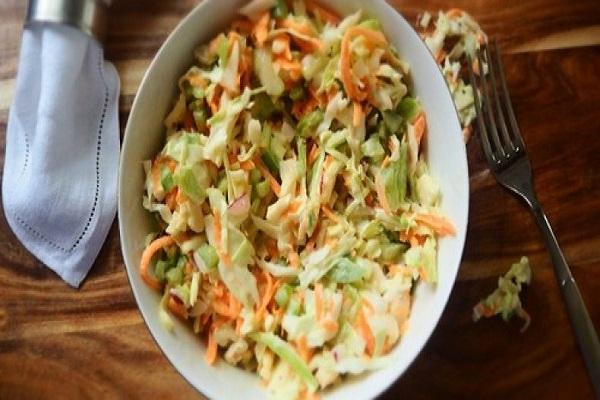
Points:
(98, 151)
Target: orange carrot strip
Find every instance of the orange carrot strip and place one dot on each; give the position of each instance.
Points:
(318, 301)
(365, 331)
(357, 115)
(243, 25)
(330, 214)
(375, 38)
(322, 13)
(329, 325)
(149, 251)
(211, 349)
(275, 187)
(283, 41)
(313, 154)
(247, 165)
(420, 125)
(261, 29)
(454, 12)
(171, 198)
(294, 259)
(381, 196)
(177, 308)
(439, 224)
(303, 349)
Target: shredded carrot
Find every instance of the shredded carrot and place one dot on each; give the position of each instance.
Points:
(294, 259)
(221, 251)
(420, 125)
(322, 13)
(319, 301)
(308, 44)
(365, 331)
(149, 251)
(454, 12)
(381, 196)
(282, 41)
(242, 25)
(329, 325)
(275, 187)
(247, 165)
(211, 349)
(261, 29)
(313, 154)
(303, 349)
(215, 99)
(374, 38)
(171, 198)
(177, 308)
(213, 46)
(235, 307)
(238, 325)
(310, 245)
(439, 224)
(439, 57)
(330, 214)
(268, 295)
(304, 29)
(271, 248)
(292, 67)
(357, 115)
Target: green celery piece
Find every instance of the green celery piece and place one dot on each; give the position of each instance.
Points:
(309, 122)
(270, 161)
(223, 51)
(255, 176)
(371, 23)
(393, 121)
(287, 354)
(263, 107)
(346, 271)
(262, 189)
(222, 185)
(283, 294)
(280, 10)
(160, 269)
(301, 144)
(186, 180)
(175, 275)
(166, 179)
(255, 206)
(209, 255)
(294, 307)
(200, 117)
(392, 252)
(408, 108)
(297, 93)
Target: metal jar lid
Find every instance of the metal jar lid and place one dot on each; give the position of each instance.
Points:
(90, 16)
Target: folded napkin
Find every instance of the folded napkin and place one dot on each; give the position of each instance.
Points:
(59, 186)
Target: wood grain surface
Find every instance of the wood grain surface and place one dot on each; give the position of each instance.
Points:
(56, 342)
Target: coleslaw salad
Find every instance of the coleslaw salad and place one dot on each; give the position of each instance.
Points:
(293, 205)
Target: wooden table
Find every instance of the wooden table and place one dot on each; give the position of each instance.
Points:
(91, 342)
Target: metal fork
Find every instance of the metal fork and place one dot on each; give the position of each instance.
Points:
(505, 152)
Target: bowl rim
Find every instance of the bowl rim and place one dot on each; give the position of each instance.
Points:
(206, 390)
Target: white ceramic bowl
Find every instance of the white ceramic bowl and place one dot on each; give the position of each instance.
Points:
(144, 137)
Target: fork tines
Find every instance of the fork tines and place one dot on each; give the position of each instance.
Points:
(501, 141)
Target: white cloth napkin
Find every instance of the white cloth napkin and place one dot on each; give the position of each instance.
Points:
(59, 187)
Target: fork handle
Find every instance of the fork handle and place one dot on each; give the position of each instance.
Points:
(583, 327)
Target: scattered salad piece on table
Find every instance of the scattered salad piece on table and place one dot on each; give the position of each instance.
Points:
(452, 38)
(294, 206)
(505, 299)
